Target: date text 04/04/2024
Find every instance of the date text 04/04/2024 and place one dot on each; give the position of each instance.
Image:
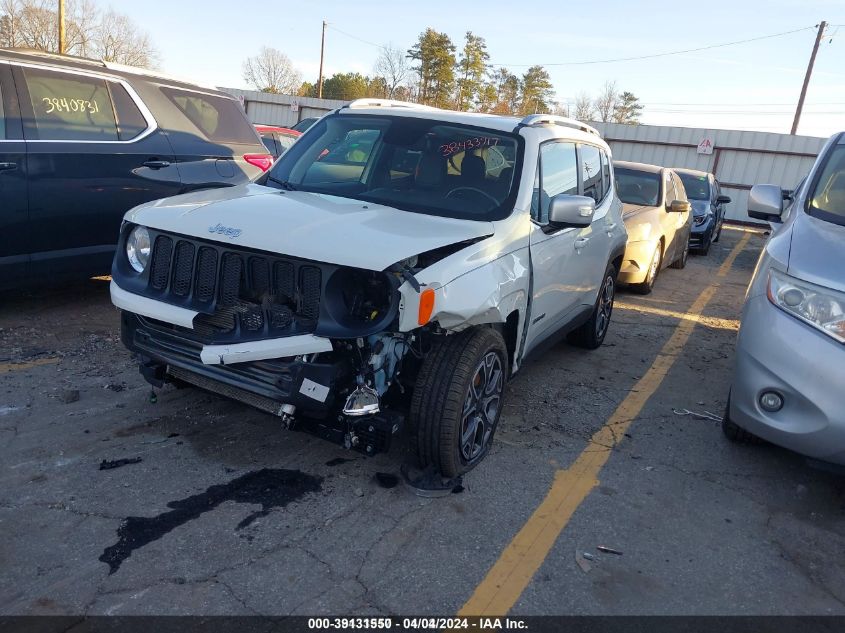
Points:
(417, 623)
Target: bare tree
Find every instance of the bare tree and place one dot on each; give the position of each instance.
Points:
(584, 110)
(272, 71)
(606, 101)
(392, 66)
(90, 32)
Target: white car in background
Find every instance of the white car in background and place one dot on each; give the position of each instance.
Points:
(397, 265)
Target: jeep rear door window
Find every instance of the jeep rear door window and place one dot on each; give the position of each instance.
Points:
(697, 187)
(591, 174)
(414, 164)
(218, 118)
(827, 199)
(69, 107)
(641, 188)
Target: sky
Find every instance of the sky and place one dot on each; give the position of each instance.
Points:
(753, 86)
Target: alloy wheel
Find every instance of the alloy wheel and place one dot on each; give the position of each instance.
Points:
(481, 407)
(605, 306)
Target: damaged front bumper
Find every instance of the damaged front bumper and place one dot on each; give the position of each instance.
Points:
(314, 383)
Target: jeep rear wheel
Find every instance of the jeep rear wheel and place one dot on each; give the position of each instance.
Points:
(591, 334)
(457, 400)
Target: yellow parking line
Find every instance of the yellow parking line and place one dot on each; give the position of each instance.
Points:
(708, 321)
(8, 367)
(522, 557)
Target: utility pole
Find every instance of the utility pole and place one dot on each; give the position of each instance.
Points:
(322, 52)
(62, 27)
(819, 35)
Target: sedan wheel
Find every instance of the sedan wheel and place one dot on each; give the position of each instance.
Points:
(647, 286)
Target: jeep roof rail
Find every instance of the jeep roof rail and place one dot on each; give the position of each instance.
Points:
(553, 119)
(386, 103)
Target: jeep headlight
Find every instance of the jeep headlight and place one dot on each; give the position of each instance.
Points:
(138, 248)
(823, 308)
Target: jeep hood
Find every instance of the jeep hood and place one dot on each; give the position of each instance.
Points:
(306, 225)
(816, 251)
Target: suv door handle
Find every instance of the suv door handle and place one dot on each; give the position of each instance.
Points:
(157, 164)
(8, 166)
(610, 227)
(581, 242)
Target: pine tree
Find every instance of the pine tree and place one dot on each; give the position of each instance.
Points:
(537, 91)
(435, 55)
(471, 68)
(627, 109)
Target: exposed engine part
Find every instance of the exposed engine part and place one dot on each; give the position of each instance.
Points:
(286, 413)
(362, 401)
(350, 440)
(387, 353)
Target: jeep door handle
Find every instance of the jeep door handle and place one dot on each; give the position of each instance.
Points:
(8, 166)
(157, 164)
(610, 227)
(581, 242)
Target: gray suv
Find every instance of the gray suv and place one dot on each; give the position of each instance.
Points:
(788, 381)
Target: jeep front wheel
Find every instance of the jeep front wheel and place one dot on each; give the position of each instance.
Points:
(457, 400)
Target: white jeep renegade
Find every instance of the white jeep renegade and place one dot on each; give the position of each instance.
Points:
(391, 271)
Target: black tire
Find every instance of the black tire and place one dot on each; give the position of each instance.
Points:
(647, 286)
(442, 394)
(591, 334)
(681, 262)
(705, 248)
(736, 433)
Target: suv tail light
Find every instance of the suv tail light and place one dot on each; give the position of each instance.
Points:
(262, 161)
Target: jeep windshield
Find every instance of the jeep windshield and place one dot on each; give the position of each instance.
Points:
(414, 164)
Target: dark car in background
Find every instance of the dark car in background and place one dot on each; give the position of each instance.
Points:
(83, 141)
(304, 124)
(276, 139)
(708, 208)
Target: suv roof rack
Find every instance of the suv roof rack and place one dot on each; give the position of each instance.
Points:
(553, 119)
(386, 103)
(25, 50)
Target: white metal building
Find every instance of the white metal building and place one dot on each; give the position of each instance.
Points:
(738, 159)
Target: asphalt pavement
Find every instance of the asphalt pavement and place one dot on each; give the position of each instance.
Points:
(113, 504)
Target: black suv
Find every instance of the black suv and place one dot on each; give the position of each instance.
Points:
(82, 142)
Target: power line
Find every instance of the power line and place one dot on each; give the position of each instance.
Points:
(355, 37)
(652, 56)
(619, 59)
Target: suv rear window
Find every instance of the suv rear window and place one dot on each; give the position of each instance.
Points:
(218, 118)
(827, 200)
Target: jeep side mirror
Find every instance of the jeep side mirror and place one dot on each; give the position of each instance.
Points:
(568, 210)
(723, 200)
(680, 206)
(765, 202)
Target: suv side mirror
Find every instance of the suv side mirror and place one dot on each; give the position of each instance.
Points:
(679, 206)
(723, 199)
(765, 202)
(568, 210)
